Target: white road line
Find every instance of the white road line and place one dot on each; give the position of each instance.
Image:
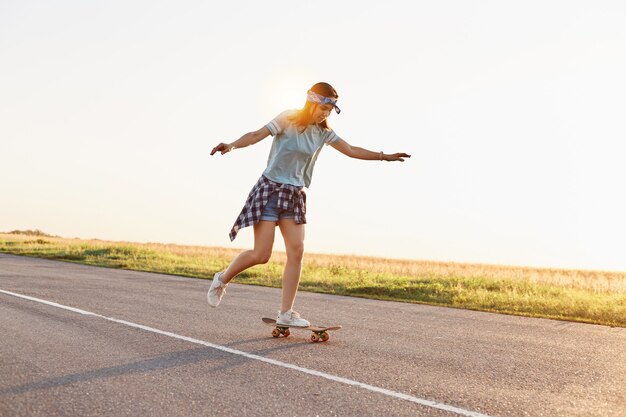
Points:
(331, 377)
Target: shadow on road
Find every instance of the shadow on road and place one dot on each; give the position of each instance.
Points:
(284, 344)
(170, 360)
(166, 361)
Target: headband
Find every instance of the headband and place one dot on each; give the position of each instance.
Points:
(313, 97)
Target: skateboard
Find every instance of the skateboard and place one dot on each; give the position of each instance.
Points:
(318, 333)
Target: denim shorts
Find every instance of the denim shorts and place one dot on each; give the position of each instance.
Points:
(272, 213)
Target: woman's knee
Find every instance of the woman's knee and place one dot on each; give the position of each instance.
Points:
(295, 253)
(261, 257)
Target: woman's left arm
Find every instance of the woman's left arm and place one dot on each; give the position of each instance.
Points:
(360, 153)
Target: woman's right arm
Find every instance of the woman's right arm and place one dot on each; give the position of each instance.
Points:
(248, 139)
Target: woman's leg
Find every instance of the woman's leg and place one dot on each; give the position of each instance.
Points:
(263, 243)
(293, 234)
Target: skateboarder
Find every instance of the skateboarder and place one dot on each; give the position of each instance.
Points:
(278, 197)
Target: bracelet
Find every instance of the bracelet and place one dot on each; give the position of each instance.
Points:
(381, 155)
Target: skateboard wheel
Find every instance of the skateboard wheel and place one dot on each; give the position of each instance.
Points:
(275, 332)
(315, 337)
(286, 332)
(325, 337)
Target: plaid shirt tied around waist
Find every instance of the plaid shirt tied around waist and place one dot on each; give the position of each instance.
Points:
(290, 197)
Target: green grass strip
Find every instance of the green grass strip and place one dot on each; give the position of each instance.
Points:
(510, 296)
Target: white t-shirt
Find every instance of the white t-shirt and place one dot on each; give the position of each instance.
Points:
(294, 153)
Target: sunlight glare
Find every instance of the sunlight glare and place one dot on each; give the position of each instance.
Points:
(285, 90)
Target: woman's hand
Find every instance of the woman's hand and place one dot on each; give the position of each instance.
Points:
(396, 157)
(248, 139)
(223, 148)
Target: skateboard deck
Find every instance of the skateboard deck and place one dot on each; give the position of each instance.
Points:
(318, 333)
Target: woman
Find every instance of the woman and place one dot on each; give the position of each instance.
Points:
(278, 197)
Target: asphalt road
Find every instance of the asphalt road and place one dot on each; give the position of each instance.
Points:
(143, 344)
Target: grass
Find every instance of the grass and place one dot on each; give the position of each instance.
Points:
(584, 296)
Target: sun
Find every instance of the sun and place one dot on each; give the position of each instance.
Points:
(285, 91)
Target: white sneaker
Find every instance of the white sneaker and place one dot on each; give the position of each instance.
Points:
(217, 290)
(291, 318)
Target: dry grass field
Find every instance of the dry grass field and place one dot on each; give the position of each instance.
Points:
(586, 296)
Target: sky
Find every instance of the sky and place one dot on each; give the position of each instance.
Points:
(513, 113)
